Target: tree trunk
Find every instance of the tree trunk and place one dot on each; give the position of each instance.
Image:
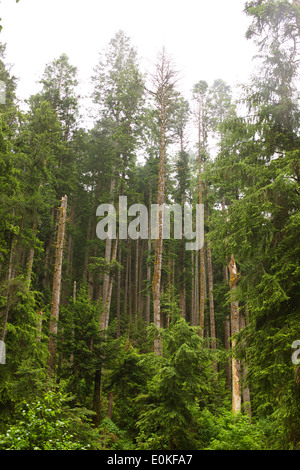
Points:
(106, 307)
(156, 281)
(148, 301)
(57, 279)
(108, 247)
(192, 310)
(31, 256)
(136, 281)
(244, 368)
(235, 320)
(210, 283)
(202, 249)
(164, 82)
(197, 289)
(119, 293)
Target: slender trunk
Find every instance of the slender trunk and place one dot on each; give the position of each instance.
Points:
(119, 293)
(126, 281)
(57, 279)
(108, 248)
(140, 288)
(210, 283)
(148, 302)
(202, 250)
(192, 314)
(197, 303)
(156, 282)
(136, 281)
(106, 307)
(244, 369)
(31, 256)
(235, 320)
(227, 348)
(182, 276)
(227, 320)
(129, 284)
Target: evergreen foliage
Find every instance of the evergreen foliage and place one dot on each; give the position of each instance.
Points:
(111, 390)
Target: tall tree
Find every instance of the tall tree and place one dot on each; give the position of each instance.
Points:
(118, 93)
(163, 89)
(57, 280)
(200, 98)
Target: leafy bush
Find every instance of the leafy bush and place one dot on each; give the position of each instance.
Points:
(232, 432)
(44, 424)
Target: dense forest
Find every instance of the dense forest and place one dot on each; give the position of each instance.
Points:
(133, 342)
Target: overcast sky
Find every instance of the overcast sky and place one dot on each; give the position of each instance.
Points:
(206, 39)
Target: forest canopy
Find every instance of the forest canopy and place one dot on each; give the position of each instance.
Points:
(133, 342)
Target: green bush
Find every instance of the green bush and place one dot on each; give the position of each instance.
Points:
(44, 424)
(232, 432)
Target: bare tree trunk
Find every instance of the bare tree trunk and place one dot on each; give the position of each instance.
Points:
(210, 284)
(182, 281)
(235, 320)
(119, 293)
(164, 81)
(141, 273)
(106, 307)
(126, 281)
(156, 281)
(31, 256)
(129, 283)
(202, 249)
(227, 344)
(57, 278)
(244, 368)
(108, 247)
(192, 314)
(197, 286)
(148, 301)
(227, 322)
(136, 281)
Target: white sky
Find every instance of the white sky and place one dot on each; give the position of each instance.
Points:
(205, 38)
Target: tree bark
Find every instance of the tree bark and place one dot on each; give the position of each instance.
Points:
(104, 321)
(235, 320)
(31, 256)
(119, 294)
(57, 279)
(210, 283)
(202, 249)
(164, 87)
(244, 368)
(136, 281)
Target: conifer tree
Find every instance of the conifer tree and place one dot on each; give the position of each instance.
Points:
(163, 88)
